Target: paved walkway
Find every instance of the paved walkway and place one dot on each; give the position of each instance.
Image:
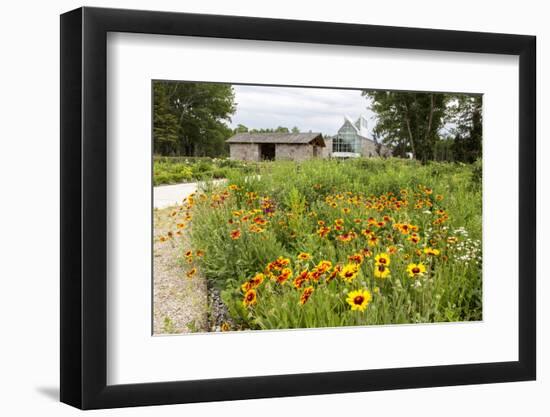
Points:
(171, 195)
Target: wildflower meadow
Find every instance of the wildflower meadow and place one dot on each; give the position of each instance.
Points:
(329, 243)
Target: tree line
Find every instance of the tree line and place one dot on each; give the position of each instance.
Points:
(428, 126)
(279, 129)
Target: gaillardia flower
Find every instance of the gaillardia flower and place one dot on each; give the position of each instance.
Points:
(359, 300)
(253, 282)
(416, 270)
(356, 258)
(285, 274)
(373, 240)
(381, 271)
(249, 298)
(324, 266)
(304, 256)
(300, 279)
(382, 259)
(431, 251)
(305, 295)
(349, 272)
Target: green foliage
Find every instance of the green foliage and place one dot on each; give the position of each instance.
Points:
(294, 197)
(191, 118)
(168, 325)
(409, 121)
(165, 123)
(477, 173)
(279, 129)
(414, 122)
(466, 117)
(173, 170)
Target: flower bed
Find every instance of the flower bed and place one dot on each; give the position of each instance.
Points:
(339, 243)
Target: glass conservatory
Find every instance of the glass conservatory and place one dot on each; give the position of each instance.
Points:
(348, 142)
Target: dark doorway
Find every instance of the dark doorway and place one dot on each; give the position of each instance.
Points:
(267, 151)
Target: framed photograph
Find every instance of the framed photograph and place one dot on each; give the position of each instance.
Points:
(256, 208)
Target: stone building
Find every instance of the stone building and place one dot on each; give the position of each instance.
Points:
(276, 146)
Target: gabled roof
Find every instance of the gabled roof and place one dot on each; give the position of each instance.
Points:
(289, 138)
(360, 126)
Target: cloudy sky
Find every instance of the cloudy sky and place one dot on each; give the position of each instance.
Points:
(316, 109)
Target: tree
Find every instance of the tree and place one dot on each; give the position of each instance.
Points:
(467, 119)
(408, 122)
(240, 129)
(278, 129)
(295, 129)
(201, 112)
(165, 123)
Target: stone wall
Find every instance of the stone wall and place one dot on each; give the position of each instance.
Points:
(327, 150)
(293, 152)
(369, 150)
(283, 151)
(385, 151)
(244, 151)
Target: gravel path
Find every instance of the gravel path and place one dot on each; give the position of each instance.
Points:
(180, 304)
(172, 195)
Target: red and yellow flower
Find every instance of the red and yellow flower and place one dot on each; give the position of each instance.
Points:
(381, 271)
(359, 299)
(306, 294)
(285, 274)
(349, 272)
(356, 258)
(416, 270)
(382, 259)
(304, 256)
(324, 266)
(254, 282)
(300, 279)
(373, 240)
(431, 251)
(323, 231)
(250, 298)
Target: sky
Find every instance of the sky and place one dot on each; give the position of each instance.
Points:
(310, 109)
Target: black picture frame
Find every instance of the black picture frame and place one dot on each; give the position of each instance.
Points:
(84, 207)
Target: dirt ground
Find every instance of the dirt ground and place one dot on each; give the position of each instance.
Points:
(179, 303)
